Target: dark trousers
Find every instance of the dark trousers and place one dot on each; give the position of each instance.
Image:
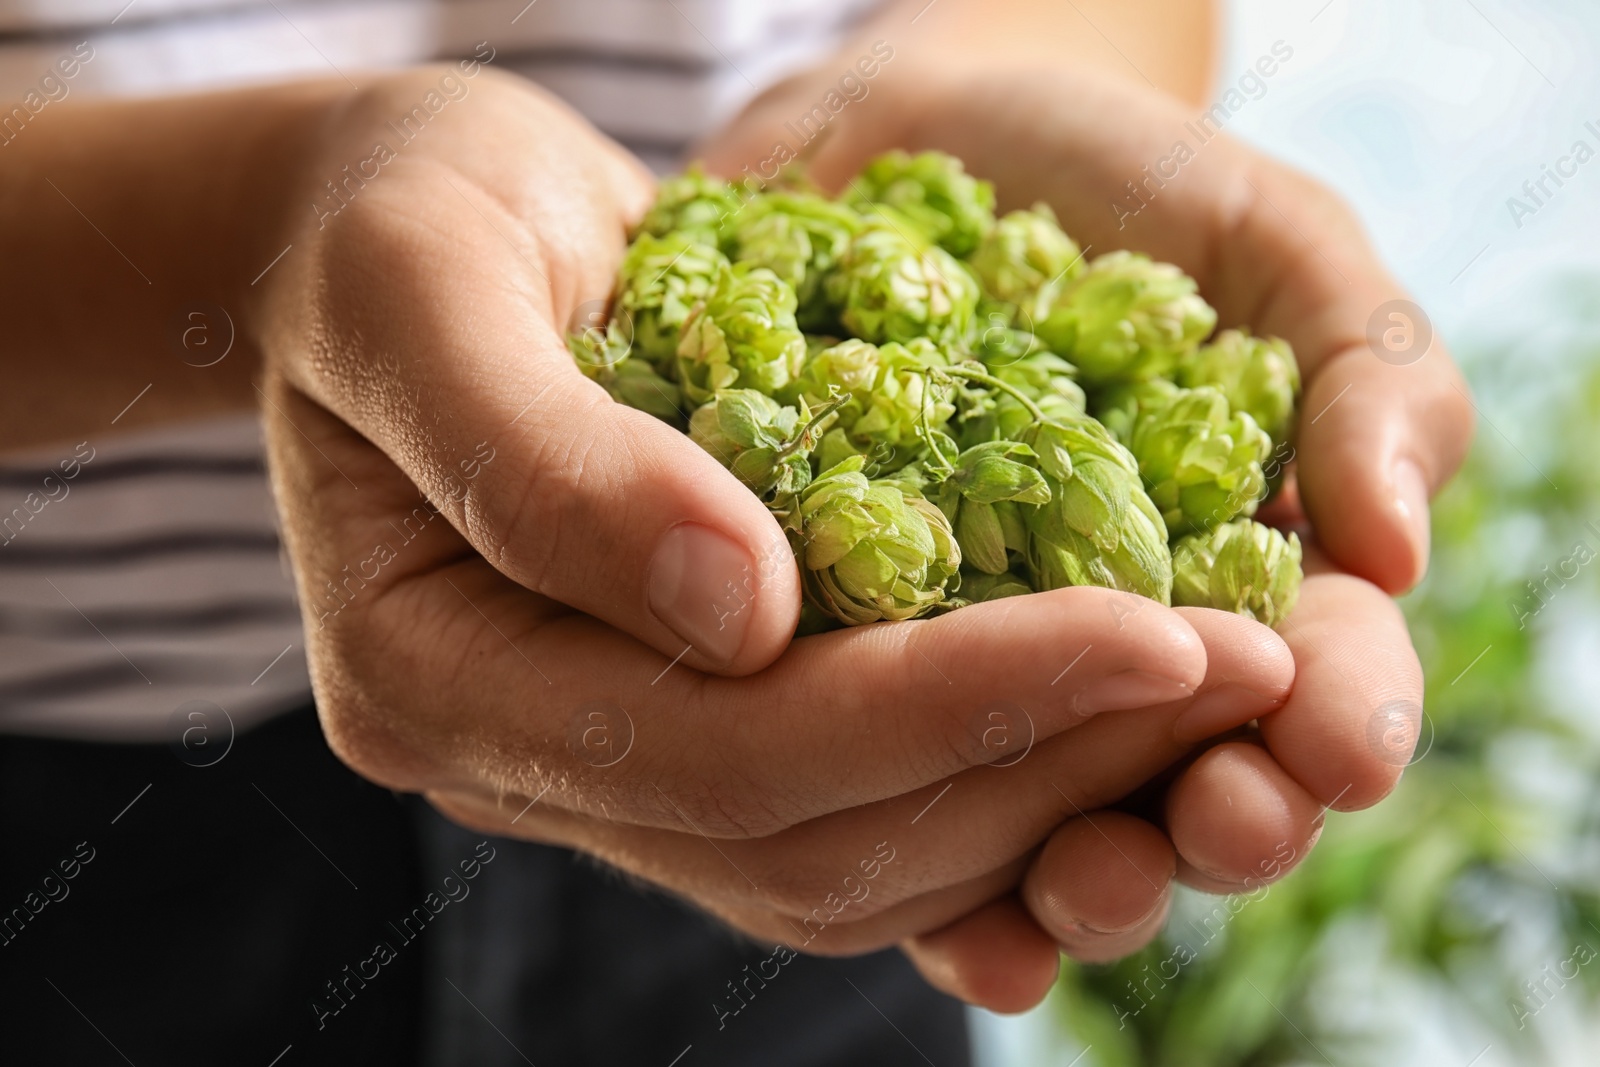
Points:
(274, 905)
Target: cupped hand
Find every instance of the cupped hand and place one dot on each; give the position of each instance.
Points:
(559, 619)
(1383, 426)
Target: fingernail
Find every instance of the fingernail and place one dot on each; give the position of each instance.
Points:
(1228, 706)
(1411, 502)
(1080, 927)
(702, 585)
(1129, 689)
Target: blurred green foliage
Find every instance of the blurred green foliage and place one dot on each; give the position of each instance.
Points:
(1468, 899)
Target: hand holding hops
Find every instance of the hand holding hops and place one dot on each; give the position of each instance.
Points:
(917, 421)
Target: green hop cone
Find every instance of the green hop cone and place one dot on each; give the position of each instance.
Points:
(800, 237)
(892, 285)
(742, 334)
(980, 588)
(1127, 318)
(660, 282)
(1099, 527)
(604, 359)
(870, 551)
(1025, 261)
(1257, 375)
(767, 445)
(980, 497)
(1021, 361)
(694, 205)
(891, 401)
(1243, 567)
(1201, 461)
(934, 191)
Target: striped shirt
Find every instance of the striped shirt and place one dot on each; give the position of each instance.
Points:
(142, 575)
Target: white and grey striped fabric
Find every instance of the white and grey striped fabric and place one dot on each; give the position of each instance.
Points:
(152, 576)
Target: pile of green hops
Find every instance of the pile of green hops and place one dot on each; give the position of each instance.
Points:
(943, 407)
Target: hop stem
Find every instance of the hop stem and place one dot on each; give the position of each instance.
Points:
(835, 401)
(995, 383)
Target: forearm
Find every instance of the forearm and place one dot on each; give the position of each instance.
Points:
(1168, 44)
(118, 218)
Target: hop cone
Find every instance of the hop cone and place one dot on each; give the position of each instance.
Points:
(1258, 376)
(1126, 319)
(1201, 461)
(1025, 261)
(934, 191)
(1243, 567)
(764, 443)
(694, 205)
(800, 237)
(659, 284)
(1099, 527)
(603, 358)
(869, 551)
(890, 399)
(1023, 363)
(891, 285)
(980, 588)
(742, 334)
(980, 497)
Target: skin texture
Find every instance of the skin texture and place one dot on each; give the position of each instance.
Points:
(420, 329)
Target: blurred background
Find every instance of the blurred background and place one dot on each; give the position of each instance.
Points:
(1458, 924)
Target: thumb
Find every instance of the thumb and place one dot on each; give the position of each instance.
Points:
(445, 351)
(617, 514)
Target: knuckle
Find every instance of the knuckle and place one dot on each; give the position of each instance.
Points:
(361, 738)
(522, 524)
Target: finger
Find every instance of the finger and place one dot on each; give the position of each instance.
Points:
(1386, 416)
(881, 856)
(1384, 440)
(1249, 672)
(1237, 820)
(996, 957)
(443, 296)
(1349, 727)
(861, 714)
(1102, 885)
